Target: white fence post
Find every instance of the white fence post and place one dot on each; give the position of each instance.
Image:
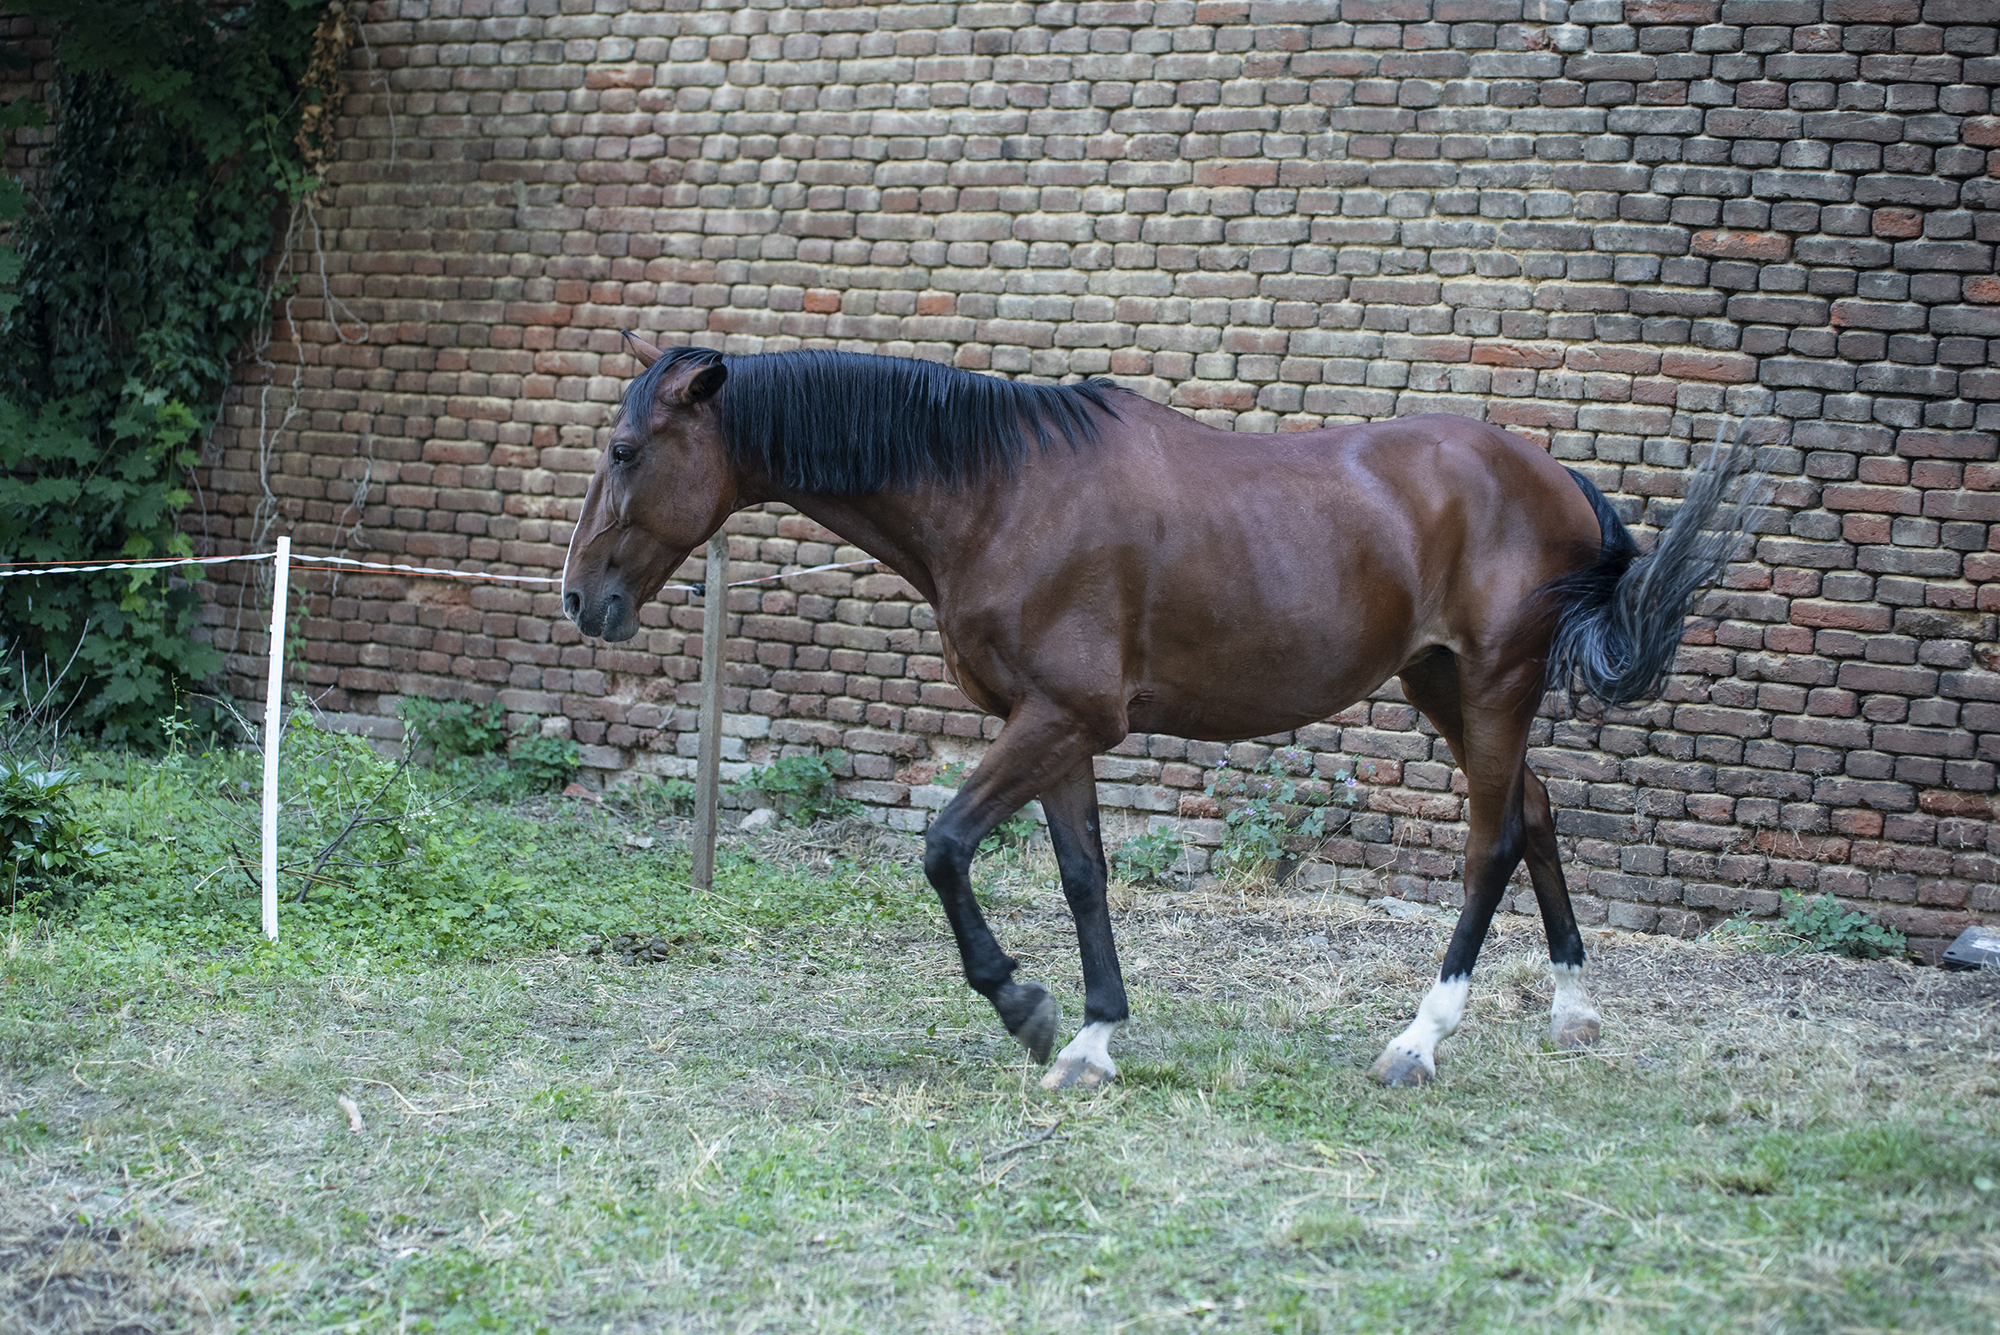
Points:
(273, 700)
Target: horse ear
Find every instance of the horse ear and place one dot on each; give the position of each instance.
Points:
(640, 348)
(703, 383)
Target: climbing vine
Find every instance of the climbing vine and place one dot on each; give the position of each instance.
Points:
(132, 272)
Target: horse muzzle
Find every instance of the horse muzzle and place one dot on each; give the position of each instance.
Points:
(611, 615)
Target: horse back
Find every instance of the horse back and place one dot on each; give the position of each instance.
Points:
(1225, 584)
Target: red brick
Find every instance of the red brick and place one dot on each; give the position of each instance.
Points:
(1622, 358)
(1730, 367)
(1767, 247)
(1840, 616)
(1537, 355)
(1672, 11)
(1898, 223)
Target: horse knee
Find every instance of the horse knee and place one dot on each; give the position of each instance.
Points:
(947, 854)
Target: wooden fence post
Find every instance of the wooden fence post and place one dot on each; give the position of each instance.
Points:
(708, 763)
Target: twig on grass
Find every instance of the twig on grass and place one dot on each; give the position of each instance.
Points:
(1048, 1134)
(422, 1112)
(1598, 1205)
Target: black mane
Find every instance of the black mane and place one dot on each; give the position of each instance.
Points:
(848, 423)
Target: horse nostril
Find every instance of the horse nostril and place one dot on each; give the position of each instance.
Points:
(572, 604)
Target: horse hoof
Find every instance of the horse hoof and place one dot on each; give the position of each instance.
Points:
(1399, 1070)
(1577, 1032)
(1030, 1014)
(1077, 1073)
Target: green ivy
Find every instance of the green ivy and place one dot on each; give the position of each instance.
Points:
(128, 282)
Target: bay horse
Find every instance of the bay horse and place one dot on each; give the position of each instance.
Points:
(1101, 564)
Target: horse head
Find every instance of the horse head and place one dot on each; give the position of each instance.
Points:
(661, 487)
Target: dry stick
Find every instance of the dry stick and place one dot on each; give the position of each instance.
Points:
(353, 823)
(1048, 1133)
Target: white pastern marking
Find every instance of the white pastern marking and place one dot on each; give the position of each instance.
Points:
(1443, 1007)
(1092, 1044)
(1572, 1001)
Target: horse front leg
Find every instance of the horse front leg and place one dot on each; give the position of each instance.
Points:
(1039, 745)
(1071, 806)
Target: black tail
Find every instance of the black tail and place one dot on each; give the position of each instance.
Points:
(1618, 622)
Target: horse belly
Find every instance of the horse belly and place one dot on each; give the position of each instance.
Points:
(1282, 673)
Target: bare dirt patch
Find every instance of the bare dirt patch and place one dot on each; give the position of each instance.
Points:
(63, 1274)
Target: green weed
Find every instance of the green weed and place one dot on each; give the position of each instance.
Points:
(471, 747)
(800, 787)
(1815, 926)
(1824, 927)
(649, 797)
(450, 729)
(1146, 859)
(1274, 808)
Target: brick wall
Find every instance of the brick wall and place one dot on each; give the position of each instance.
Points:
(1604, 225)
(28, 76)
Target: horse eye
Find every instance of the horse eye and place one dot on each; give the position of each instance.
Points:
(623, 454)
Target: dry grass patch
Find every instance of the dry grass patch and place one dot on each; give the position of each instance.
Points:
(803, 1121)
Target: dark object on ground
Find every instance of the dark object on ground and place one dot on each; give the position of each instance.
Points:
(635, 948)
(1975, 946)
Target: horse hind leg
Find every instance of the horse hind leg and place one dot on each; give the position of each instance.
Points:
(1493, 849)
(1492, 754)
(1573, 1020)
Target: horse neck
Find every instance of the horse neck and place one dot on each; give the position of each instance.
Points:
(908, 531)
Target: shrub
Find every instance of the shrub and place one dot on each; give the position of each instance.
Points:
(47, 851)
(453, 728)
(539, 764)
(1009, 836)
(371, 849)
(470, 746)
(1813, 926)
(650, 798)
(800, 787)
(1267, 808)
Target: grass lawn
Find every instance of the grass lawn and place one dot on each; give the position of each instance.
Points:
(802, 1120)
